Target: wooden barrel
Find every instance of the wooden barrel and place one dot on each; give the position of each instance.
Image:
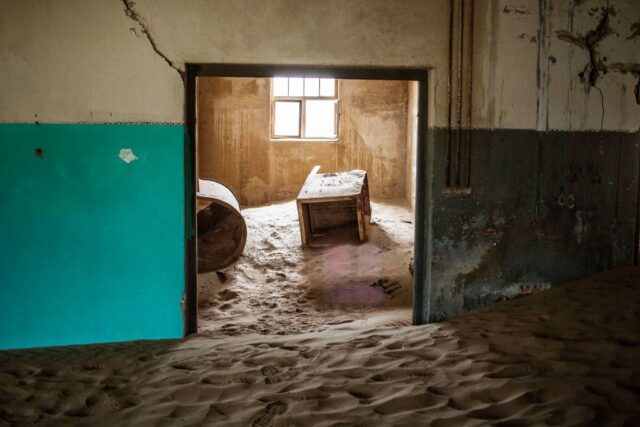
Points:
(222, 230)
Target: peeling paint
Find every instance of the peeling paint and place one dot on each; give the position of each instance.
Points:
(517, 10)
(597, 65)
(504, 239)
(522, 288)
(581, 228)
(127, 156)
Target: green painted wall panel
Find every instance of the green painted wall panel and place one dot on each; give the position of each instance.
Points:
(91, 247)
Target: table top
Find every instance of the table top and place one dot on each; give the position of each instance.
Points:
(337, 185)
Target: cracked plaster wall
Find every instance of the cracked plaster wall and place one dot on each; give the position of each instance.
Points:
(526, 70)
(552, 198)
(76, 60)
(95, 61)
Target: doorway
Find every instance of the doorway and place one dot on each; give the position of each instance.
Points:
(417, 195)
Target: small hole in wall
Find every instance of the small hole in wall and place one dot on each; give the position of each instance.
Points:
(38, 153)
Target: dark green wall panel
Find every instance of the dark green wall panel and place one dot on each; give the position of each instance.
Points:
(544, 208)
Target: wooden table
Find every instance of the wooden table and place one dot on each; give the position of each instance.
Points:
(333, 199)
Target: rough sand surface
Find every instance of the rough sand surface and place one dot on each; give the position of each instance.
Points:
(279, 287)
(566, 356)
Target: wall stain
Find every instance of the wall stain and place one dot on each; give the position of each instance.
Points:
(516, 10)
(493, 256)
(635, 30)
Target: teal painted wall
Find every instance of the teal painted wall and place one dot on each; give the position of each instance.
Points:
(91, 247)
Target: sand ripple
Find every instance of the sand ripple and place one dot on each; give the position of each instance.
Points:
(567, 356)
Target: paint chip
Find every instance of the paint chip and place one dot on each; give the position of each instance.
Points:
(127, 156)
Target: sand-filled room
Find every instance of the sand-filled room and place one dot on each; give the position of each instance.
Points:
(331, 150)
(320, 213)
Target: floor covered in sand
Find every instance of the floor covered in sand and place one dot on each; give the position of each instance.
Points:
(566, 356)
(279, 287)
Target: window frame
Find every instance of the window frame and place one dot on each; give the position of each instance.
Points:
(303, 113)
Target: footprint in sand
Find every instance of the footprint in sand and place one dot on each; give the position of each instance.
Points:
(266, 415)
(275, 375)
(228, 379)
(390, 287)
(227, 295)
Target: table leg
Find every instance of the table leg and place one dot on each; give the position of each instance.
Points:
(362, 232)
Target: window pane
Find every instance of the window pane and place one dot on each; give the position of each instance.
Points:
(327, 87)
(280, 86)
(295, 86)
(286, 118)
(320, 119)
(311, 87)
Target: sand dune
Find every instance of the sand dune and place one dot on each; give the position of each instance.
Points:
(566, 356)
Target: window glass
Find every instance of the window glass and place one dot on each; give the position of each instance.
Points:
(286, 118)
(311, 87)
(327, 87)
(280, 86)
(320, 119)
(296, 86)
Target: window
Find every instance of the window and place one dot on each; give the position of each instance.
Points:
(304, 108)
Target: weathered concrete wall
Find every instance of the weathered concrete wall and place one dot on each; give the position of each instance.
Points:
(555, 65)
(546, 205)
(233, 136)
(234, 143)
(524, 56)
(544, 208)
(373, 134)
(98, 64)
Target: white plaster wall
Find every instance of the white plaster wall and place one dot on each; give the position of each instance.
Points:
(505, 62)
(71, 61)
(86, 61)
(80, 60)
(572, 103)
(524, 77)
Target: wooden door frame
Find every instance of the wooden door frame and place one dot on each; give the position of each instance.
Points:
(424, 162)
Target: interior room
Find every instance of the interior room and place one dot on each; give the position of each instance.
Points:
(248, 141)
(320, 213)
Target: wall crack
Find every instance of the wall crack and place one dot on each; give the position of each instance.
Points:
(130, 11)
(597, 65)
(589, 42)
